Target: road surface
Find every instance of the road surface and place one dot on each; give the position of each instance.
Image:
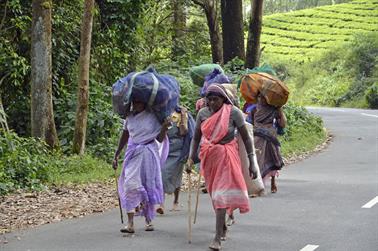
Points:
(326, 202)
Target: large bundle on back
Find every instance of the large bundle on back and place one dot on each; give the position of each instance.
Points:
(273, 89)
(198, 73)
(214, 77)
(160, 92)
(265, 68)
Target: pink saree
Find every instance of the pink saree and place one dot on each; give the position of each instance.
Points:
(220, 164)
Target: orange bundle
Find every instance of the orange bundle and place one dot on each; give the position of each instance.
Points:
(273, 89)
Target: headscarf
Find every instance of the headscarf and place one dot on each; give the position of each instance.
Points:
(218, 90)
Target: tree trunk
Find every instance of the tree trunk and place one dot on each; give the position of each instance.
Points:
(211, 11)
(210, 7)
(254, 33)
(3, 117)
(83, 84)
(42, 118)
(232, 27)
(179, 26)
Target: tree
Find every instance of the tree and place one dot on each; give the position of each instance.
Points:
(254, 33)
(232, 29)
(83, 84)
(42, 118)
(210, 7)
(179, 27)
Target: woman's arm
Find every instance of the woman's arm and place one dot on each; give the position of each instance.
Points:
(281, 118)
(121, 144)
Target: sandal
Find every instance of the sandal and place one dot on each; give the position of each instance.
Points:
(175, 208)
(149, 227)
(128, 230)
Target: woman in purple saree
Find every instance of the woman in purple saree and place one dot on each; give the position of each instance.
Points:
(140, 184)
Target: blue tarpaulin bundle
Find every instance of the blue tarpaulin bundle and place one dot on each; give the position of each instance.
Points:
(214, 77)
(159, 91)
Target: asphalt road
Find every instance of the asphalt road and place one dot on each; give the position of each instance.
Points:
(322, 204)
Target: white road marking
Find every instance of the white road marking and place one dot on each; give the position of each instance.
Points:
(309, 248)
(370, 115)
(371, 203)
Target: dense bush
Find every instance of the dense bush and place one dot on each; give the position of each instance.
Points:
(300, 117)
(27, 163)
(372, 96)
(24, 162)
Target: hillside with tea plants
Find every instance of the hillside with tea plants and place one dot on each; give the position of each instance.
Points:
(304, 34)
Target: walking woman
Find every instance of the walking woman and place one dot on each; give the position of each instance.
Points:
(220, 163)
(179, 144)
(266, 120)
(140, 185)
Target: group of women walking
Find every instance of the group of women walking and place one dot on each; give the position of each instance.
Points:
(156, 153)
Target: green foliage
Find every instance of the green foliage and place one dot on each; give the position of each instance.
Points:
(372, 96)
(301, 125)
(274, 6)
(303, 35)
(79, 169)
(339, 77)
(24, 162)
(103, 127)
(14, 61)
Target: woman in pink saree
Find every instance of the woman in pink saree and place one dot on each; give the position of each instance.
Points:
(220, 163)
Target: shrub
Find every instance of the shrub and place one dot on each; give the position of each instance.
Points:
(304, 130)
(24, 162)
(339, 77)
(371, 96)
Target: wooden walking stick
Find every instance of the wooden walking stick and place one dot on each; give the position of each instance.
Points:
(119, 200)
(189, 209)
(197, 197)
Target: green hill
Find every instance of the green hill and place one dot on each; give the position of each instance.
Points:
(304, 34)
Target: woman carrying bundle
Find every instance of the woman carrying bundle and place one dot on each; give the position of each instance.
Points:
(140, 185)
(266, 120)
(220, 162)
(180, 134)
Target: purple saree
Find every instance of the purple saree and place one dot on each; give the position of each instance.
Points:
(140, 183)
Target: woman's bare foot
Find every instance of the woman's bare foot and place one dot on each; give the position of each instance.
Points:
(273, 186)
(215, 245)
(175, 207)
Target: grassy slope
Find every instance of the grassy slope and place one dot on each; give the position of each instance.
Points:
(304, 34)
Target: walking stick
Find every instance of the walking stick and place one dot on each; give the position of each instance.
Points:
(189, 209)
(119, 200)
(197, 197)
